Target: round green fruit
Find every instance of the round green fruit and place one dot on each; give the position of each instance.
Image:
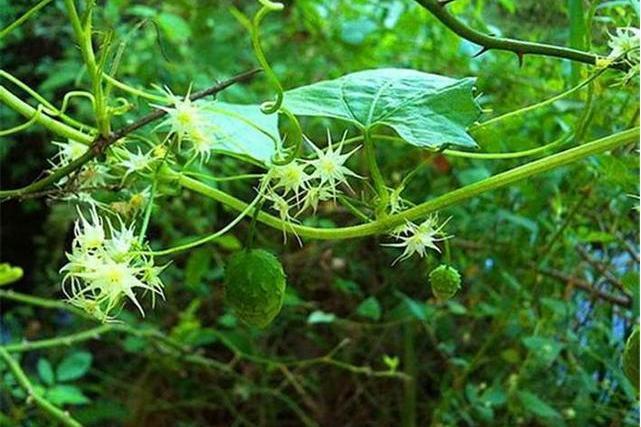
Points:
(255, 286)
(445, 281)
(631, 358)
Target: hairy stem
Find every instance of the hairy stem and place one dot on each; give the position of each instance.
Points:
(452, 198)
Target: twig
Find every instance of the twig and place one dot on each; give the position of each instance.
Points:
(177, 349)
(584, 285)
(65, 340)
(629, 247)
(604, 270)
(56, 192)
(100, 144)
(520, 48)
(46, 406)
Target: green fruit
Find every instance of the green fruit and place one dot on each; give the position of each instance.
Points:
(255, 286)
(445, 281)
(631, 358)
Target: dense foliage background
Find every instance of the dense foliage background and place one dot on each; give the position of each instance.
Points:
(534, 337)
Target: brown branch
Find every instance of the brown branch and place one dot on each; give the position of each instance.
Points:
(438, 9)
(586, 286)
(601, 268)
(101, 143)
(156, 114)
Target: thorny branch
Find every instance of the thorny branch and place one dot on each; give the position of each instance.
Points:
(100, 144)
(520, 48)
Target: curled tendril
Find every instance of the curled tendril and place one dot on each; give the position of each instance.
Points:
(121, 109)
(48, 108)
(253, 26)
(67, 98)
(295, 150)
(24, 125)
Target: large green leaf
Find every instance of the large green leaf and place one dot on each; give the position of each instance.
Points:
(426, 110)
(242, 129)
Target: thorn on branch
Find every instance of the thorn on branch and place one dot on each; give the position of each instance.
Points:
(520, 55)
(444, 3)
(481, 52)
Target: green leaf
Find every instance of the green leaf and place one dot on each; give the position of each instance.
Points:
(347, 286)
(321, 317)
(630, 360)
(196, 267)
(9, 274)
(456, 308)
(242, 130)
(536, 406)
(508, 5)
(426, 110)
(369, 308)
(74, 366)
(134, 344)
(494, 396)
(545, 349)
(63, 394)
(391, 362)
(176, 28)
(45, 371)
(415, 308)
(635, 6)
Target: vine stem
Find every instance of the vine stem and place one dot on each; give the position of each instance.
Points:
(83, 37)
(540, 104)
(51, 410)
(49, 108)
(15, 24)
(375, 173)
(98, 145)
(382, 225)
(519, 47)
(26, 110)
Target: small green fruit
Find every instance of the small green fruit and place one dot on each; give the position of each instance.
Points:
(255, 286)
(445, 281)
(631, 358)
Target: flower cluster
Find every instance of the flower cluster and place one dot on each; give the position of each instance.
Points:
(90, 176)
(303, 184)
(186, 121)
(133, 162)
(94, 175)
(105, 267)
(417, 239)
(625, 46)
